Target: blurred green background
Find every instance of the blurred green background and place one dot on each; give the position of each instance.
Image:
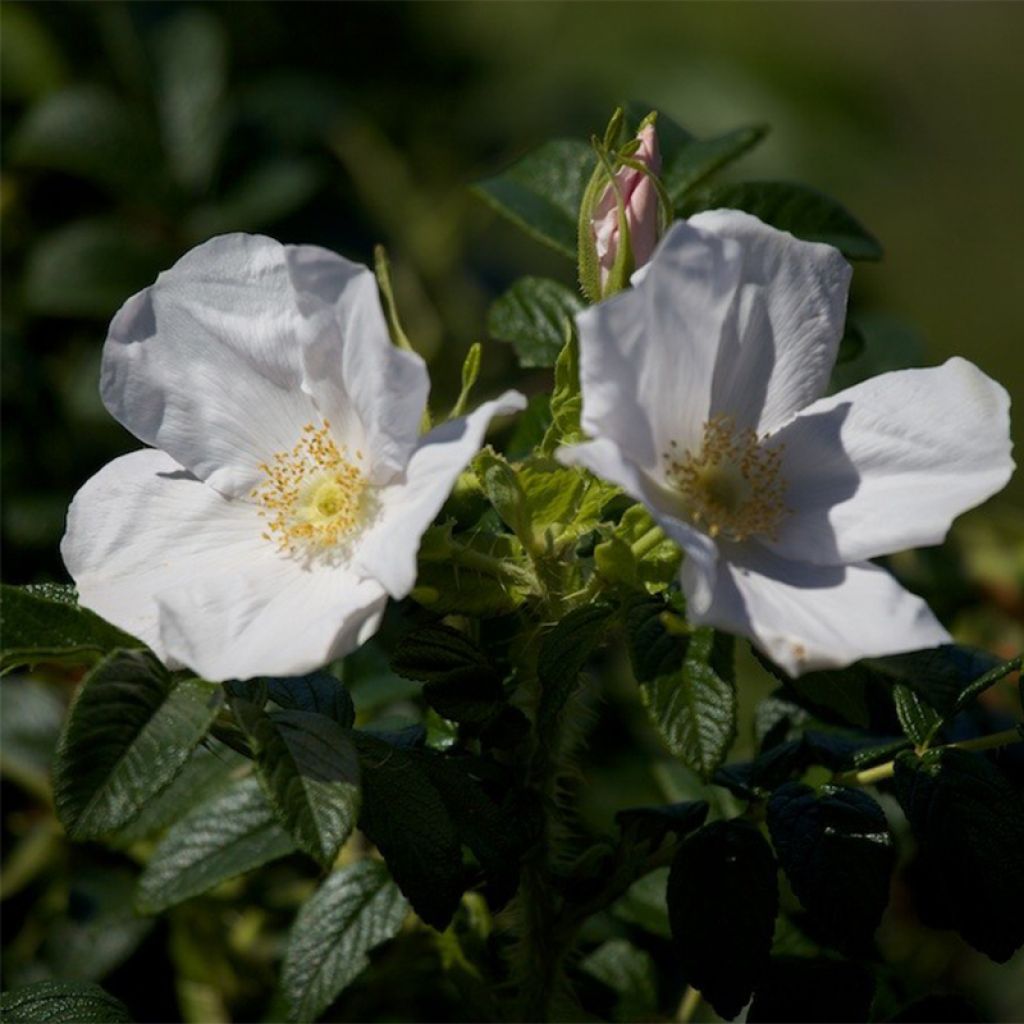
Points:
(131, 132)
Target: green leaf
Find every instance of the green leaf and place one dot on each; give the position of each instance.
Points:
(130, 731)
(689, 165)
(310, 772)
(318, 693)
(460, 575)
(971, 692)
(355, 910)
(722, 902)
(838, 854)
(30, 59)
(563, 653)
(31, 716)
(969, 823)
(88, 268)
(61, 1002)
(654, 650)
(799, 209)
(41, 626)
(89, 132)
(638, 552)
(501, 485)
(802, 989)
(694, 707)
(234, 832)
(191, 71)
(532, 316)
(563, 502)
(566, 398)
(542, 192)
(405, 817)
(462, 684)
(920, 721)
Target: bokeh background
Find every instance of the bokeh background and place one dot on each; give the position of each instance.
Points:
(131, 132)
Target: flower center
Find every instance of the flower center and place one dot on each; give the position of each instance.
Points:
(315, 496)
(731, 486)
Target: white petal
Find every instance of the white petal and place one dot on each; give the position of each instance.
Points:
(808, 617)
(888, 464)
(790, 316)
(387, 552)
(171, 561)
(647, 355)
(261, 625)
(604, 459)
(224, 359)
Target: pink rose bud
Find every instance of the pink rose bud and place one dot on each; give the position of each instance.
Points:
(641, 202)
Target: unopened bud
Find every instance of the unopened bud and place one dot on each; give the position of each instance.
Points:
(640, 199)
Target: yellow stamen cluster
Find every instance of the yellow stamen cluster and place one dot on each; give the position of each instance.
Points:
(731, 486)
(314, 496)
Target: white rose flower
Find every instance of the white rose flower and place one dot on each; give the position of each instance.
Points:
(288, 485)
(702, 390)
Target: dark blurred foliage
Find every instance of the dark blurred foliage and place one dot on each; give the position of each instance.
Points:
(132, 132)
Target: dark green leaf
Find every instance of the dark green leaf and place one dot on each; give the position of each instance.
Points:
(804, 991)
(653, 824)
(461, 683)
(542, 192)
(653, 650)
(984, 681)
(969, 823)
(62, 1002)
(130, 731)
(319, 693)
(31, 716)
(49, 626)
(798, 209)
(234, 832)
(563, 653)
(310, 772)
(405, 817)
(355, 910)
(694, 707)
(722, 901)
(532, 316)
(837, 852)
(689, 165)
(920, 721)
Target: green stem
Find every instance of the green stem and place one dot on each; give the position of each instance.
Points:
(498, 567)
(688, 1005)
(647, 542)
(869, 776)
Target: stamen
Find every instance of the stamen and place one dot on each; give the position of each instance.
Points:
(731, 486)
(315, 497)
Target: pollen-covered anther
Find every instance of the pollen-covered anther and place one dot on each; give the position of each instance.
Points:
(315, 496)
(731, 486)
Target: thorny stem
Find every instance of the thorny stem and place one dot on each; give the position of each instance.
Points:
(869, 776)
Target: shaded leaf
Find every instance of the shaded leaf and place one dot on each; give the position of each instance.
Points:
(630, 973)
(130, 731)
(798, 209)
(653, 824)
(310, 773)
(722, 902)
(532, 316)
(235, 831)
(838, 854)
(49, 626)
(61, 1002)
(969, 823)
(804, 991)
(318, 692)
(355, 910)
(541, 193)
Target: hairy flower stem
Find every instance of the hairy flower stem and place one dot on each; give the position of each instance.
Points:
(869, 776)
